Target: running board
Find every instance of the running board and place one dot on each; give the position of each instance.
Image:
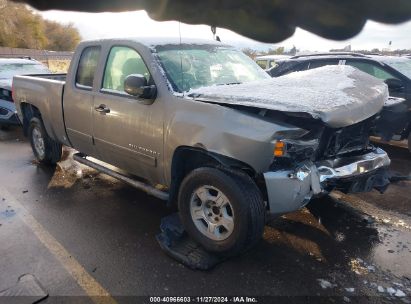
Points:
(136, 184)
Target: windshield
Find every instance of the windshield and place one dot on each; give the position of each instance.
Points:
(193, 66)
(403, 66)
(8, 70)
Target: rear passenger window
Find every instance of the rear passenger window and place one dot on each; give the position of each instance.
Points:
(87, 67)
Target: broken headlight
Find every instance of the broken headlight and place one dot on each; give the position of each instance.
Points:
(296, 149)
(296, 144)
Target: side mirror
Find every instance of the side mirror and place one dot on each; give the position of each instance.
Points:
(394, 84)
(136, 85)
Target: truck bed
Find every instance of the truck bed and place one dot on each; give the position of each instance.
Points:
(58, 77)
(45, 92)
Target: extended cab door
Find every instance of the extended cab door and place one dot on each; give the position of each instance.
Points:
(78, 99)
(128, 131)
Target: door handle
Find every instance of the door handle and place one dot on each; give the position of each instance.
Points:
(102, 109)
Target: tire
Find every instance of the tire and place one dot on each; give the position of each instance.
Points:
(45, 149)
(239, 218)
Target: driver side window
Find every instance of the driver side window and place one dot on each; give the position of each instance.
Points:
(122, 62)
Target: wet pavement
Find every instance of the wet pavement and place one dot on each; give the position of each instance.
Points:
(82, 233)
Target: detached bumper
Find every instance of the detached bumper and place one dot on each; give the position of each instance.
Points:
(291, 190)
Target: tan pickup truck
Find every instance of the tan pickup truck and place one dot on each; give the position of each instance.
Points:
(202, 126)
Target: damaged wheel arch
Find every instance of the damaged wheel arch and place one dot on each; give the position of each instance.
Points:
(186, 159)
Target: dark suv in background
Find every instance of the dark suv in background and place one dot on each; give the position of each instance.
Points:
(395, 120)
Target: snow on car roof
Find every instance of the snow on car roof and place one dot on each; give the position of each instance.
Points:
(157, 41)
(17, 61)
(176, 41)
(272, 57)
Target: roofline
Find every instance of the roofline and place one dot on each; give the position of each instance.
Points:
(19, 60)
(272, 56)
(159, 41)
(331, 54)
(12, 57)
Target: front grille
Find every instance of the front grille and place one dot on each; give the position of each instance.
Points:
(337, 142)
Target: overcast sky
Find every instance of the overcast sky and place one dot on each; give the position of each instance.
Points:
(137, 24)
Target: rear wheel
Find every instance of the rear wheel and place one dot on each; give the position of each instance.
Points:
(223, 211)
(46, 150)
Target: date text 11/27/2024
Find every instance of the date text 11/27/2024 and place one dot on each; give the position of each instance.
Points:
(204, 299)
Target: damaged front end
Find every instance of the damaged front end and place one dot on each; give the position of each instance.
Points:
(322, 160)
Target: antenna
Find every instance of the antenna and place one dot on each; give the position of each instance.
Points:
(179, 30)
(214, 31)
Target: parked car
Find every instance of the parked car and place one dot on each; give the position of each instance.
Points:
(267, 62)
(207, 129)
(9, 68)
(395, 121)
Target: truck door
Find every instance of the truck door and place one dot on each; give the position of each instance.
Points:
(78, 100)
(128, 131)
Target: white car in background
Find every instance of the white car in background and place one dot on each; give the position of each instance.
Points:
(10, 67)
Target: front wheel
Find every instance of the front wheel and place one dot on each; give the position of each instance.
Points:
(223, 211)
(45, 149)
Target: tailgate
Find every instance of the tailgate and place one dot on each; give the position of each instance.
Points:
(44, 93)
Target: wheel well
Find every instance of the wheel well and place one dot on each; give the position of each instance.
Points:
(186, 159)
(29, 111)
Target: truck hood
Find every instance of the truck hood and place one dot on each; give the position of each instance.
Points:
(338, 95)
